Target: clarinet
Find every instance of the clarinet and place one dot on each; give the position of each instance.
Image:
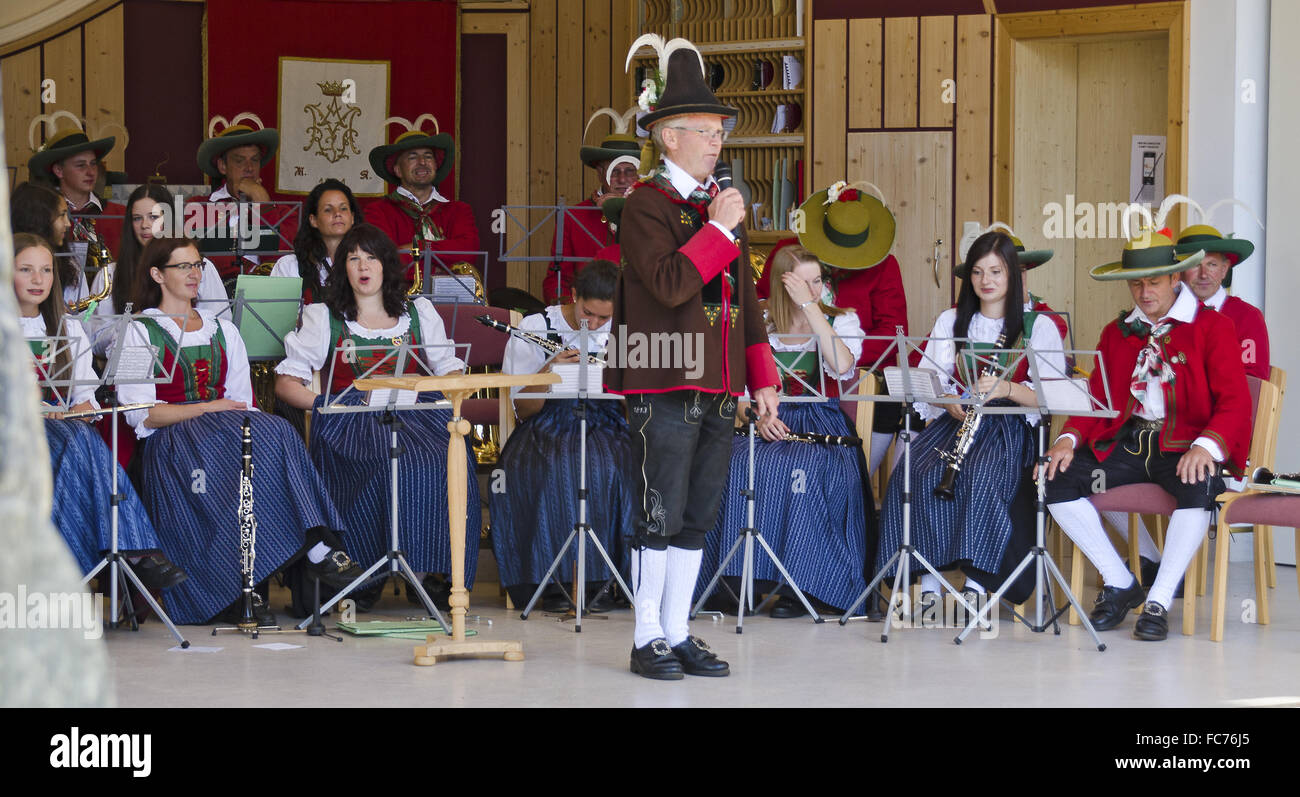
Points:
(247, 529)
(965, 439)
(537, 340)
(808, 437)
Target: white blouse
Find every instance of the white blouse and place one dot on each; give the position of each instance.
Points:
(238, 384)
(309, 347)
(83, 369)
(287, 266)
(941, 351)
(523, 357)
(846, 326)
(212, 291)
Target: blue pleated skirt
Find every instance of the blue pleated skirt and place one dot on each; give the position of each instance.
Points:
(83, 490)
(351, 452)
(533, 496)
(810, 507)
(190, 476)
(975, 528)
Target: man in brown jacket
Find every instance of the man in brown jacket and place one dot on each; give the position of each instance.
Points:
(688, 339)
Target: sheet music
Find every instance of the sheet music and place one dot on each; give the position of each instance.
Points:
(568, 373)
(135, 363)
(451, 290)
(925, 382)
(381, 397)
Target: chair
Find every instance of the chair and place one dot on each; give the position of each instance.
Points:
(487, 350)
(1277, 378)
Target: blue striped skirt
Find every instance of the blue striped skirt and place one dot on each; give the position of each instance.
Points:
(351, 452)
(974, 529)
(810, 507)
(190, 472)
(533, 494)
(83, 490)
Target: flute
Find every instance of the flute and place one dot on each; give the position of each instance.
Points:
(808, 437)
(537, 340)
(67, 416)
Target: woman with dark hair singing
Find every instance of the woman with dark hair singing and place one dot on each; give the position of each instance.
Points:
(189, 464)
(366, 313)
(989, 521)
(331, 212)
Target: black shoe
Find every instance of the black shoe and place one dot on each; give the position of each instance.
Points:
(1153, 625)
(157, 573)
(1150, 570)
(788, 606)
(554, 602)
(335, 571)
(601, 601)
(439, 589)
(1114, 603)
(264, 616)
(697, 659)
(721, 601)
(656, 660)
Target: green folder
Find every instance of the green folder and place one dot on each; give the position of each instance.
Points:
(254, 318)
(397, 629)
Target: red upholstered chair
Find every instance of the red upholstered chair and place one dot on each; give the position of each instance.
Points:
(487, 350)
(1260, 509)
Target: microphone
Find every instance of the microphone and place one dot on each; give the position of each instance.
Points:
(722, 174)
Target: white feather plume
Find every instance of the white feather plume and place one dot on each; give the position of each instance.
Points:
(1209, 212)
(1167, 206)
(664, 49)
(621, 123)
(416, 126)
(1136, 210)
(50, 119)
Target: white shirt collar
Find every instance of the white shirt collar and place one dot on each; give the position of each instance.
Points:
(1184, 309)
(221, 193)
(1220, 296)
(434, 197)
(94, 200)
(682, 182)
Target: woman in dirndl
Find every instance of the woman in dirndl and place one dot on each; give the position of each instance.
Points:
(82, 464)
(537, 505)
(350, 335)
(188, 461)
(988, 526)
(812, 502)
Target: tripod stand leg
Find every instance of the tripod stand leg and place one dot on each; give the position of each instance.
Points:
(343, 593)
(945, 583)
(424, 596)
(546, 579)
(977, 618)
(713, 582)
(746, 582)
(893, 595)
(608, 562)
(1083, 617)
(86, 578)
(789, 579)
(879, 577)
(153, 604)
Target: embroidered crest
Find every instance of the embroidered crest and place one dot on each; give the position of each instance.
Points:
(735, 314)
(711, 312)
(686, 218)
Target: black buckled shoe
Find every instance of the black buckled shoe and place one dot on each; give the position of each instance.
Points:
(1114, 604)
(698, 659)
(335, 571)
(656, 660)
(1150, 570)
(157, 573)
(1153, 625)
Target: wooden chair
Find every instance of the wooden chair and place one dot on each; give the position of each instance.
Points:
(1277, 378)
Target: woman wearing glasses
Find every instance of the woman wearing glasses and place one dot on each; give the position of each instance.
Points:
(188, 460)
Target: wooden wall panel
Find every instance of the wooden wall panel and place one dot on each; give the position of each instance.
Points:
(21, 73)
(597, 74)
(830, 90)
(936, 66)
(973, 133)
(570, 113)
(622, 18)
(1003, 128)
(1123, 91)
(865, 40)
(901, 51)
(913, 170)
(63, 65)
(1045, 145)
(106, 78)
(541, 150)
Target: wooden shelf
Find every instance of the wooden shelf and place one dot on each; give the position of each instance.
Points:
(789, 140)
(760, 93)
(755, 46)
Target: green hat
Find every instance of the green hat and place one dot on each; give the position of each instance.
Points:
(65, 145)
(384, 157)
(855, 230)
(1150, 254)
(1203, 236)
(618, 142)
(235, 135)
(1029, 258)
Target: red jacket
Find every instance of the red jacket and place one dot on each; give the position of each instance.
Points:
(110, 229)
(1208, 395)
(1249, 322)
(876, 294)
(585, 234)
(455, 219)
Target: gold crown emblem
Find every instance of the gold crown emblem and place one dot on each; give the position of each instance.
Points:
(331, 88)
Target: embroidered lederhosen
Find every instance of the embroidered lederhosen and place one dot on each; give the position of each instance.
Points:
(351, 363)
(716, 299)
(201, 373)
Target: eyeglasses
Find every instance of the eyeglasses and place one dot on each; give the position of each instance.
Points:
(710, 135)
(185, 268)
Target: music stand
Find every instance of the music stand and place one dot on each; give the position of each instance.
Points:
(127, 365)
(581, 528)
(1074, 399)
(388, 405)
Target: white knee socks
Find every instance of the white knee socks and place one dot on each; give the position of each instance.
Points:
(1083, 525)
(1146, 546)
(679, 586)
(648, 570)
(1187, 529)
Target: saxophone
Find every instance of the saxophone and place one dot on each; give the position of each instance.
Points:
(965, 439)
(97, 256)
(247, 531)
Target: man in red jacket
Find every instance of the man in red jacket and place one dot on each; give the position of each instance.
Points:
(1212, 275)
(71, 164)
(1184, 407)
(415, 212)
